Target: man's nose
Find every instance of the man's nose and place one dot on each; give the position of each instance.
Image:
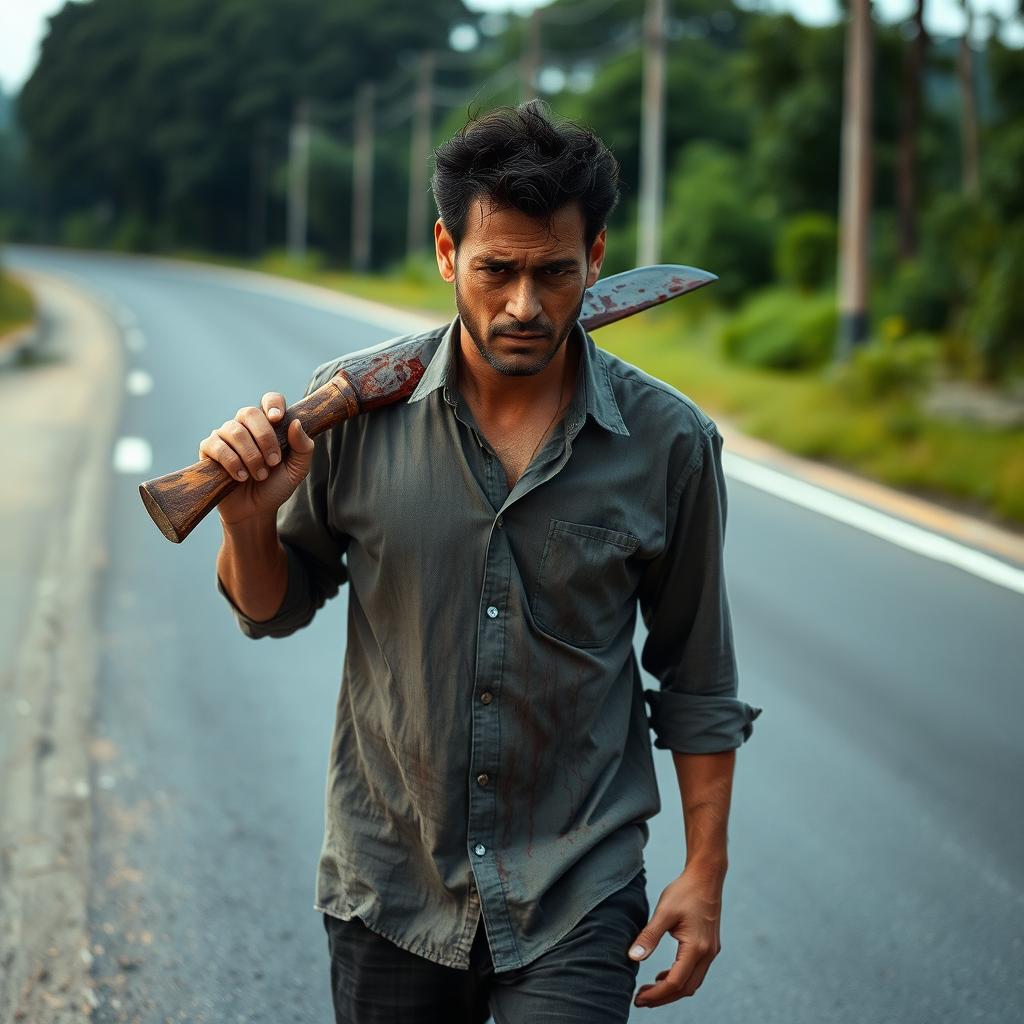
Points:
(524, 303)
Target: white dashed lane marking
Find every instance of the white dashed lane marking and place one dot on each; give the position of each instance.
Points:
(138, 382)
(132, 455)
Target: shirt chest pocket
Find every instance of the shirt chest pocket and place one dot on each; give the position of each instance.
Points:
(585, 581)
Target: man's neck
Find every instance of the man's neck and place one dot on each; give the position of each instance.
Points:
(501, 397)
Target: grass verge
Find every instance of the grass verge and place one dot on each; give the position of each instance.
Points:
(17, 307)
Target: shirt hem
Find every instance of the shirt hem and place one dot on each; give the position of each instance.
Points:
(424, 951)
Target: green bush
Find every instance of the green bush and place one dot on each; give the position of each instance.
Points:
(133, 234)
(420, 268)
(920, 295)
(16, 304)
(805, 256)
(995, 319)
(887, 368)
(712, 221)
(782, 329)
(83, 230)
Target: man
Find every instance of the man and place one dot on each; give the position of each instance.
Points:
(491, 773)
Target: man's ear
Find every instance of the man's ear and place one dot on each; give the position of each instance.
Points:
(444, 247)
(596, 257)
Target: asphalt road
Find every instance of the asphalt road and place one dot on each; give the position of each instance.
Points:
(876, 836)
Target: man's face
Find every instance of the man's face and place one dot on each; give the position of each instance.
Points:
(519, 282)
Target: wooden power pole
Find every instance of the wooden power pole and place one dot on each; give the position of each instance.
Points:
(419, 156)
(298, 181)
(969, 107)
(910, 118)
(362, 179)
(855, 183)
(529, 60)
(652, 136)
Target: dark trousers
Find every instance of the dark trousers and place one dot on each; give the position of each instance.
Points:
(585, 978)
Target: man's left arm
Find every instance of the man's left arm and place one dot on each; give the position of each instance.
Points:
(696, 714)
(690, 908)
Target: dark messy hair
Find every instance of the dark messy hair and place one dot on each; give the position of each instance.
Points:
(521, 157)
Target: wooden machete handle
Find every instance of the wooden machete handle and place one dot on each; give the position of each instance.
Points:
(177, 501)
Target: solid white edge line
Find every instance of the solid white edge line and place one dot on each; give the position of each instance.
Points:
(895, 531)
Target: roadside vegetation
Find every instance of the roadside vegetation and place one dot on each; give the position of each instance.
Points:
(17, 307)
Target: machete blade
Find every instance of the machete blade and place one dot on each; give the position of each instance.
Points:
(621, 295)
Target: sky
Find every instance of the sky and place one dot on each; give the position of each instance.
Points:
(23, 23)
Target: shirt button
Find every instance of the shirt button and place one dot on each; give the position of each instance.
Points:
(479, 849)
(483, 778)
(492, 612)
(486, 697)
(500, 522)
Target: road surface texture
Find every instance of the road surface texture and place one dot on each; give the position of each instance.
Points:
(877, 834)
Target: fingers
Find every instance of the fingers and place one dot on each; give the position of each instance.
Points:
(298, 440)
(247, 445)
(267, 451)
(273, 405)
(648, 939)
(683, 978)
(216, 448)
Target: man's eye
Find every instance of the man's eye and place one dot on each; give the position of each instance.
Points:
(556, 271)
(495, 268)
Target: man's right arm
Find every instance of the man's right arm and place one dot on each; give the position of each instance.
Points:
(253, 567)
(280, 560)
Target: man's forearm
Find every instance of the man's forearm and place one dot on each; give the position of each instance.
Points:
(253, 566)
(705, 786)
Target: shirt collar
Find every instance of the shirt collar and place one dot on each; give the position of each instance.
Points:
(593, 384)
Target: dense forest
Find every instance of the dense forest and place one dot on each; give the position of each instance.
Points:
(167, 126)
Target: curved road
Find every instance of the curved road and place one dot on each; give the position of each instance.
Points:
(877, 834)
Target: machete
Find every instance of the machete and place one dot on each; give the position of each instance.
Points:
(178, 501)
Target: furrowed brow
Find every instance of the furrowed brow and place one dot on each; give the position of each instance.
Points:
(564, 264)
(494, 261)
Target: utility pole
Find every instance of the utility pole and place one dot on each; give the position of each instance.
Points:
(855, 183)
(362, 179)
(652, 136)
(419, 156)
(529, 61)
(968, 106)
(906, 166)
(298, 181)
(258, 193)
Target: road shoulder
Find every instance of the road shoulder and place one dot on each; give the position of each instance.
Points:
(971, 531)
(62, 410)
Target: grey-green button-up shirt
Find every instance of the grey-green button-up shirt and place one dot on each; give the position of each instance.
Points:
(492, 750)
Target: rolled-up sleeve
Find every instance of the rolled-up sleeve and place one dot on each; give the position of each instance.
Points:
(685, 606)
(315, 550)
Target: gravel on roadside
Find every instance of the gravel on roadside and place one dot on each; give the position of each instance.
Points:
(61, 406)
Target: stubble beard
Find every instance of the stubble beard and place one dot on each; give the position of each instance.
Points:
(518, 366)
